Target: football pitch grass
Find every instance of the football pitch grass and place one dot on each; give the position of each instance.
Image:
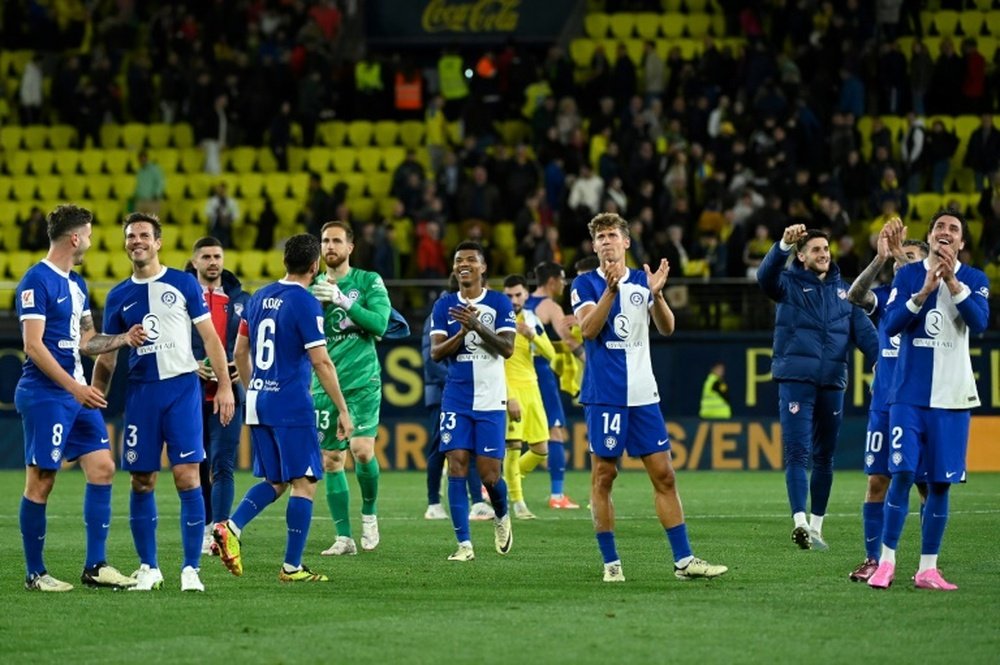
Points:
(543, 603)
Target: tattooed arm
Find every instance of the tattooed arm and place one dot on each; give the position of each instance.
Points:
(94, 344)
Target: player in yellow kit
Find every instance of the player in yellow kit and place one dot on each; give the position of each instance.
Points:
(526, 419)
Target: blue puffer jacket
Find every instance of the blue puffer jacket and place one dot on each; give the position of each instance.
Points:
(815, 325)
(435, 373)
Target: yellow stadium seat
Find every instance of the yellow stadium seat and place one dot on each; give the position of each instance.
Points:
(107, 211)
(581, 52)
(386, 206)
(3, 267)
(250, 264)
(66, 162)
(318, 159)
(672, 25)
(242, 159)
(595, 25)
(251, 185)
(393, 157)
(992, 20)
(362, 208)
(411, 133)
(504, 237)
(175, 185)
(117, 161)
(42, 162)
(6, 190)
(622, 25)
(276, 186)
(200, 185)
(61, 137)
(134, 135)
(359, 133)
(35, 137)
(945, 21)
(18, 162)
(287, 211)
(244, 235)
(74, 187)
(370, 160)
(107, 237)
(455, 132)
(49, 187)
(10, 237)
(379, 184)
(182, 135)
(296, 159)
(111, 135)
(18, 262)
(698, 25)
(275, 263)
(10, 137)
(95, 264)
(24, 187)
(386, 133)
(355, 183)
(925, 205)
(99, 296)
(298, 184)
(190, 234)
(252, 208)
(192, 160)
(174, 258)
(696, 6)
(345, 159)
(120, 265)
(92, 161)
(187, 211)
(647, 25)
(100, 187)
(168, 159)
(158, 135)
(988, 47)
(972, 22)
(333, 134)
(170, 236)
(266, 161)
(123, 186)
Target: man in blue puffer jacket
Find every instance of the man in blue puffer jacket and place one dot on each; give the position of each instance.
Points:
(815, 328)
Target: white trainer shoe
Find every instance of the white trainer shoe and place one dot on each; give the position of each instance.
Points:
(45, 582)
(435, 511)
(481, 511)
(369, 532)
(463, 553)
(613, 572)
(503, 534)
(521, 511)
(342, 546)
(147, 579)
(190, 581)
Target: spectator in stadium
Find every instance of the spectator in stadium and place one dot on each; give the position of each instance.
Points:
(319, 206)
(941, 147)
(30, 93)
(226, 300)
(222, 212)
(815, 327)
(982, 154)
(281, 458)
(212, 132)
(266, 224)
(150, 185)
(280, 135)
(479, 198)
(34, 233)
(620, 398)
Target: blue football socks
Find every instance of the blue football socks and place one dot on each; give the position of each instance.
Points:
(298, 516)
(192, 524)
(142, 521)
(33, 522)
(97, 522)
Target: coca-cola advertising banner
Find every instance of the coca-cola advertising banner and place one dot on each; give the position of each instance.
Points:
(464, 21)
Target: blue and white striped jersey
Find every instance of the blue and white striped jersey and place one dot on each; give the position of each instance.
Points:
(166, 305)
(476, 379)
(618, 371)
(282, 322)
(934, 367)
(60, 299)
(888, 351)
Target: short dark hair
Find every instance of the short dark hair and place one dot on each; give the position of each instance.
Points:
(547, 270)
(207, 241)
(301, 251)
(919, 244)
(470, 245)
(811, 234)
(65, 219)
(337, 224)
(587, 264)
(149, 218)
(951, 212)
(608, 220)
(510, 281)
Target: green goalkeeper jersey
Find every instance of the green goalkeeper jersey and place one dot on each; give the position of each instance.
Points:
(351, 334)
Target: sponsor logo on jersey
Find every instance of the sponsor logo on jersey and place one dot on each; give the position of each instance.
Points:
(934, 323)
(28, 298)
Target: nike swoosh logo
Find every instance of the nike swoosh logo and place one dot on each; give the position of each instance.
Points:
(195, 523)
(125, 308)
(106, 526)
(105, 440)
(889, 505)
(950, 474)
(662, 443)
(187, 454)
(837, 413)
(59, 300)
(871, 540)
(451, 322)
(806, 290)
(489, 450)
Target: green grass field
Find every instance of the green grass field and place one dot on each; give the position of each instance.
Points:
(545, 602)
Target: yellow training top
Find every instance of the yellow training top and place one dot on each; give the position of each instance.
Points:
(520, 367)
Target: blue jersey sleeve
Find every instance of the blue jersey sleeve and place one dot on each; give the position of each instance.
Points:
(975, 307)
(439, 316)
(769, 272)
(310, 323)
(583, 293)
(898, 315)
(113, 322)
(506, 318)
(32, 297)
(196, 307)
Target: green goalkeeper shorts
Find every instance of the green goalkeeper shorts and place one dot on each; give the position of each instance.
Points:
(363, 406)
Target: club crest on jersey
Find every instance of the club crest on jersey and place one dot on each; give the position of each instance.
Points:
(610, 442)
(28, 298)
(487, 318)
(793, 408)
(637, 299)
(897, 458)
(869, 459)
(56, 454)
(842, 294)
(131, 456)
(168, 298)
(353, 294)
(446, 437)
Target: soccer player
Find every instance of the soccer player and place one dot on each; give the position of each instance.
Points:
(474, 329)
(551, 280)
(873, 300)
(620, 397)
(526, 421)
(283, 331)
(59, 411)
(815, 328)
(933, 390)
(356, 312)
(163, 397)
(435, 374)
(225, 299)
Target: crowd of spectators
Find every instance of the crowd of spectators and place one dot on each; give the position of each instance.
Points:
(708, 158)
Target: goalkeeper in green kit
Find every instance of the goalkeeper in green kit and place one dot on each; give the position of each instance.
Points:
(356, 313)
